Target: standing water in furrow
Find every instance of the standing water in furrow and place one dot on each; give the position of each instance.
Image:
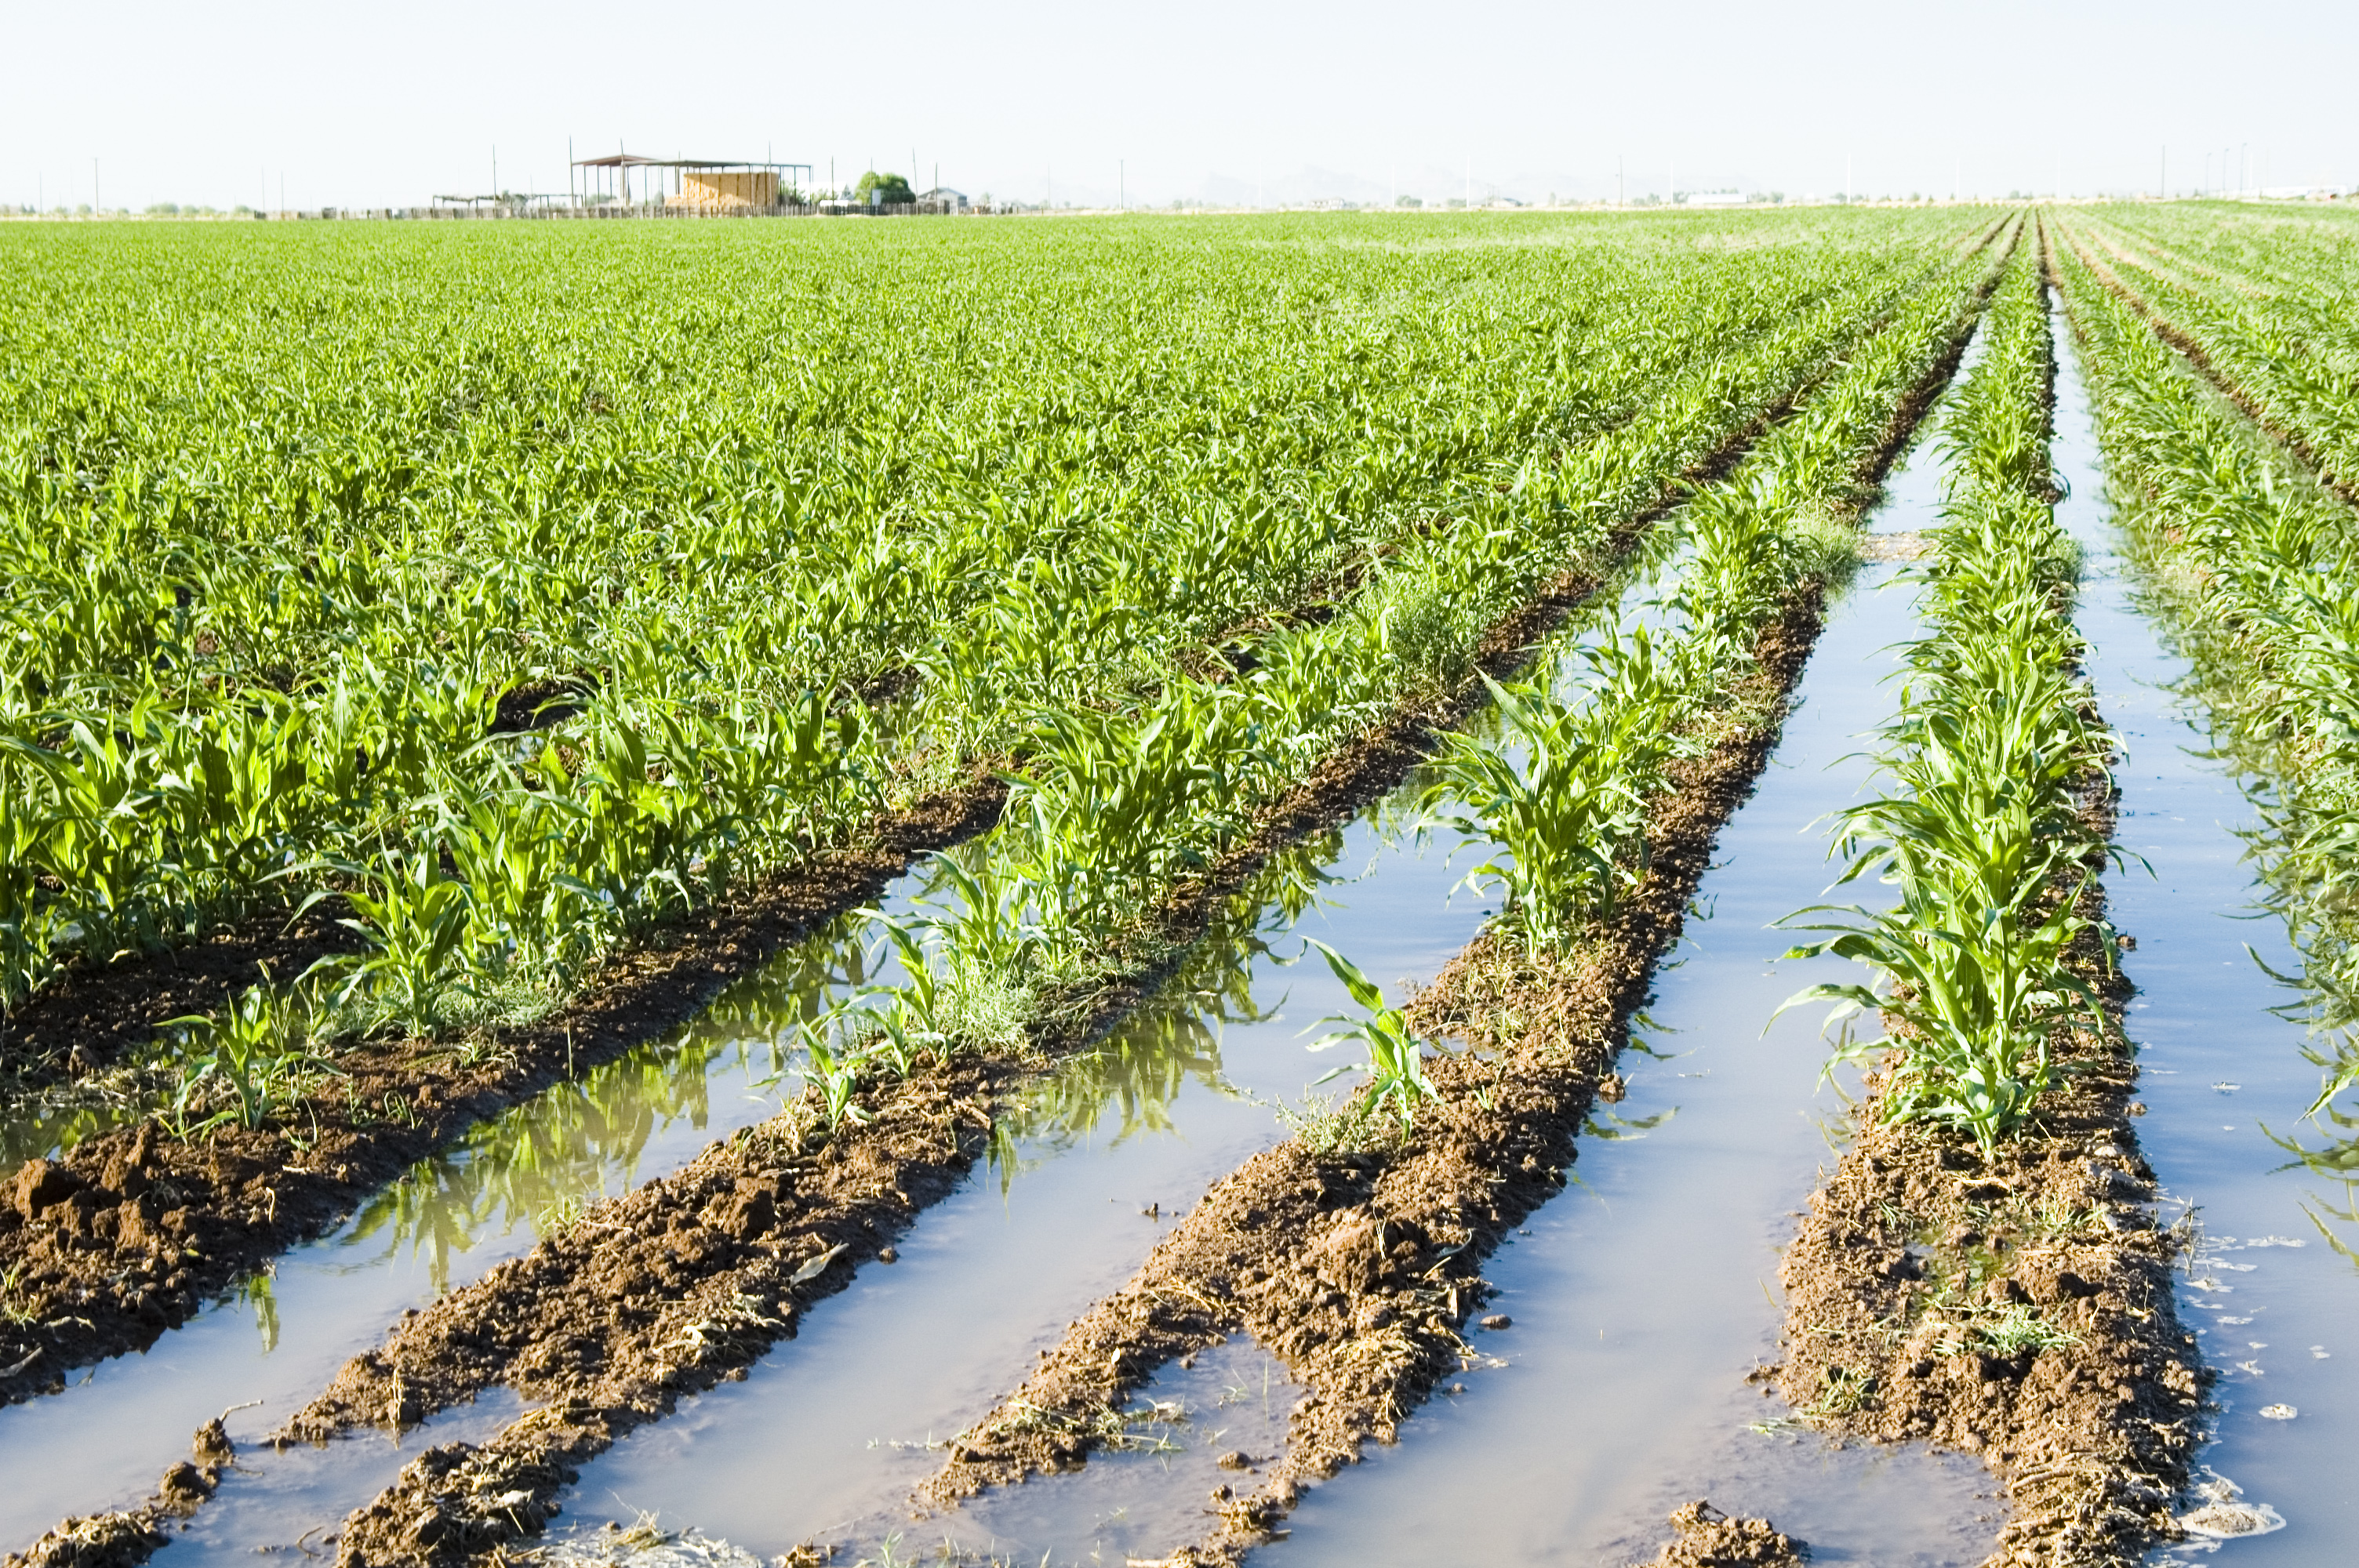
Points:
(1636, 1302)
(268, 1346)
(2219, 1072)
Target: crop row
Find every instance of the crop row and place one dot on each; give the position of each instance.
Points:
(2284, 342)
(1139, 810)
(1981, 1270)
(1749, 539)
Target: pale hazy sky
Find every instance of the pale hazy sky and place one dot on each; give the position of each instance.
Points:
(216, 102)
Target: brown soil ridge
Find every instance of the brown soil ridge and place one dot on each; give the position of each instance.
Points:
(127, 1537)
(2192, 350)
(1358, 1269)
(2091, 1431)
(133, 1230)
(95, 1017)
(1707, 1538)
(526, 1326)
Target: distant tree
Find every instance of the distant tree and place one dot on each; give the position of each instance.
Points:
(1409, 201)
(890, 191)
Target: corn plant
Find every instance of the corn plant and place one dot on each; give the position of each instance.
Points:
(1560, 797)
(245, 1063)
(1396, 1060)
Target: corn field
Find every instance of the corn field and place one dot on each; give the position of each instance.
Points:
(677, 749)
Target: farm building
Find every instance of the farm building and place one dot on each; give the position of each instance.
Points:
(706, 185)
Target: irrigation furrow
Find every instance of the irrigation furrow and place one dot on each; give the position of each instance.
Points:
(2211, 522)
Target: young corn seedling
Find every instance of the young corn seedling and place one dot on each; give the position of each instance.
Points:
(1395, 1063)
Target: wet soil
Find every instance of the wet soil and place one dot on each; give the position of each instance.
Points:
(97, 1016)
(1358, 1268)
(1710, 1539)
(2017, 1307)
(132, 1231)
(126, 1537)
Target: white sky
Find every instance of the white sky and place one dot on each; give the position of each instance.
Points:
(217, 102)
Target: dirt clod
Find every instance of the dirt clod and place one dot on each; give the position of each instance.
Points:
(211, 1445)
(1710, 1539)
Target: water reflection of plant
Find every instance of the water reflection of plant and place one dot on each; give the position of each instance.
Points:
(1141, 1067)
(255, 1292)
(535, 1163)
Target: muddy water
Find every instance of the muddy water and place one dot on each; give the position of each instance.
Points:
(2273, 1301)
(272, 1343)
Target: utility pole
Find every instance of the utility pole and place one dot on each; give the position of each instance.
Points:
(95, 208)
(1621, 197)
(1121, 185)
(1846, 179)
(2162, 184)
(1957, 179)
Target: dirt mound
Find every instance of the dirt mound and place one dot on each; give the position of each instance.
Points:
(1710, 1539)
